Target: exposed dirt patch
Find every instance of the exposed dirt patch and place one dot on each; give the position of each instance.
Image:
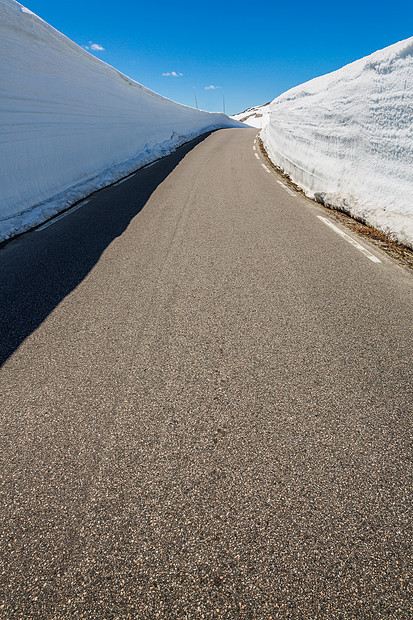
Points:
(400, 252)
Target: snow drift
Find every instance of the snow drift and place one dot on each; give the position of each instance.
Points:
(70, 123)
(347, 138)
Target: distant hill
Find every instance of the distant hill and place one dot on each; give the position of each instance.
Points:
(255, 117)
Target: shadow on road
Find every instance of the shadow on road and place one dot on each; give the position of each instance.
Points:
(38, 269)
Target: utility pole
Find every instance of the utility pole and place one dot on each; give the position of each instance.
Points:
(196, 101)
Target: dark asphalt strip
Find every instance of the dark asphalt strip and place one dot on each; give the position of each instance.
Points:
(39, 268)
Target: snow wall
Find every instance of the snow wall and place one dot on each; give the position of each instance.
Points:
(70, 123)
(348, 137)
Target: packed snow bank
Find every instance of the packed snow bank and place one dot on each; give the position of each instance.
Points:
(347, 138)
(254, 117)
(70, 123)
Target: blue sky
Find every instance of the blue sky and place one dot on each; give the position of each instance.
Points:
(250, 52)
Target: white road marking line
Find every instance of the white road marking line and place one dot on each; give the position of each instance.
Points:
(254, 147)
(287, 189)
(62, 215)
(265, 168)
(257, 156)
(352, 241)
(121, 181)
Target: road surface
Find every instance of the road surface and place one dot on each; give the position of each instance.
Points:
(205, 404)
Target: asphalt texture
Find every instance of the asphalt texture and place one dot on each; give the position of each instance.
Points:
(205, 405)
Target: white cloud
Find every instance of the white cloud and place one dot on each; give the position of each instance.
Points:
(94, 47)
(172, 74)
(212, 87)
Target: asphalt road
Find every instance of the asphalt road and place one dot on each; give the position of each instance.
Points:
(205, 404)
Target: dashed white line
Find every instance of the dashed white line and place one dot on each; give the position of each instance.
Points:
(350, 240)
(287, 189)
(254, 147)
(62, 215)
(122, 181)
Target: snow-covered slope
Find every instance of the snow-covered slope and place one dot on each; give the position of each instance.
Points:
(254, 117)
(70, 123)
(348, 136)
